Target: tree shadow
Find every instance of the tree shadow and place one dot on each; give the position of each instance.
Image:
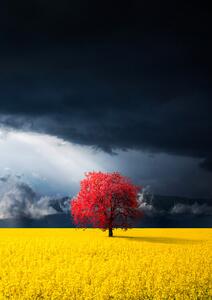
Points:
(159, 240)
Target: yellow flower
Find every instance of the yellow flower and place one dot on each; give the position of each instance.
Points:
(70, 264)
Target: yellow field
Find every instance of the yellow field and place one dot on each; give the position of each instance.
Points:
(76, 264)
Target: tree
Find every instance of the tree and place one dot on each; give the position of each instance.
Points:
(106, 201)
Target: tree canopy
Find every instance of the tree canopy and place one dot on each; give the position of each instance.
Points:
(106, 201)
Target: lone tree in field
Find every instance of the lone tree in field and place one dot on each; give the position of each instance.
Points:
(106, 201)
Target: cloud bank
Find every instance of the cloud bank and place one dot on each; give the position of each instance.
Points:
(18, 200)
(193, 209)
(151, 205)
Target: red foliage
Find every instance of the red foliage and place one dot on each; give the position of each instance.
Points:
(106, 201)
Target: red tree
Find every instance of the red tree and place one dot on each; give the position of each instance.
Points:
(106, 201)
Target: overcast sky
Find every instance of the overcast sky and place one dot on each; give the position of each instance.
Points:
(112, 86)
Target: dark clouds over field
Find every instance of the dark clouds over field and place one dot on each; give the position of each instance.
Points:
(118, 75)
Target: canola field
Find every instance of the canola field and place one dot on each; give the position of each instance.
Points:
(87, 264)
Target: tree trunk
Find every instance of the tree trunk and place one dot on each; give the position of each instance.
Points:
(110, 232)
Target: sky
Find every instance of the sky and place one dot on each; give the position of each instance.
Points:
(107, 86)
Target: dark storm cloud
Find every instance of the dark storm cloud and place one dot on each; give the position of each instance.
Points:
(207, 164)
(114, 76)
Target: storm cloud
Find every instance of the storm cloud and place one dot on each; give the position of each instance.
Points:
(115, 107)
(117, 76)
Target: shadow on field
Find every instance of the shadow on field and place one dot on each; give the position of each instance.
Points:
(162, 240)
